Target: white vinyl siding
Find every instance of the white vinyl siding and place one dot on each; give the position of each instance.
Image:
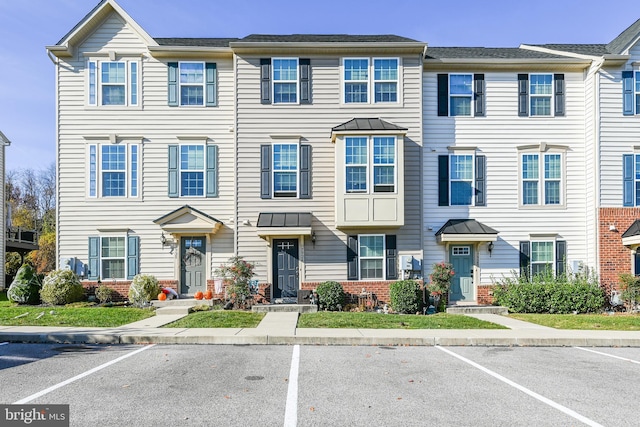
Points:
(112, 83)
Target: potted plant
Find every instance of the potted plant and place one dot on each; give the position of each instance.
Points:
(440, 283)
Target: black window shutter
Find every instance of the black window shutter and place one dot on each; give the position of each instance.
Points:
(558, 80)
(627, 93)
(636, 263)
(305, 81)
(352, 257)
(627, 180)
(523, 95)
(443, 95)
(479, 103)
(172, 96)
(481, 181)
(265, 171)
(305, 171)
(265, 80)
(561, 257)
(391, 256)
(443, 180)
(525, 259)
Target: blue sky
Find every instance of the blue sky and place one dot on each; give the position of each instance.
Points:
(27, 91)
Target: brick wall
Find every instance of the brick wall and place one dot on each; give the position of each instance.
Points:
(485, 295)
(353, 288)
(121, 287)
(615, 258)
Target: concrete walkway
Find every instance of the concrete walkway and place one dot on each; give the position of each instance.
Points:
(281, 328)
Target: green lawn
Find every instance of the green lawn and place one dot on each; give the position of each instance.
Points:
(605, 322)
(70, 316)
(391, 321)
(218, 319)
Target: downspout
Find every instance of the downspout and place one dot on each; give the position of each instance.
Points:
(56, 62)
(596, 155)
(235, 155)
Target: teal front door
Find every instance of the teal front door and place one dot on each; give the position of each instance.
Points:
(461, 258)
(193, 260)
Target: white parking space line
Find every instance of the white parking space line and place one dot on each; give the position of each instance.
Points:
(82, 375)
(291, 409)
(608, 355)
(523, 389)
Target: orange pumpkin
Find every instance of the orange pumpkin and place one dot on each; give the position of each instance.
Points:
(162, 296)
(198, 295)
(208, 294)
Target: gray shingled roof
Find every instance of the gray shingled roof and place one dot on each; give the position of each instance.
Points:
(582, 49)
(199, 42)
(485, 53)
(326, 38)
(620, 43)
(284, 219)
(633, 230)
(366, 124)
(465, 226)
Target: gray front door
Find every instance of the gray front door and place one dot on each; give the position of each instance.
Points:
(461, 258)
(285, 268)
(193, 260)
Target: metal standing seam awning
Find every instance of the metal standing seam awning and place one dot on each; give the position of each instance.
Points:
(465, 230)
(631, 237)
(284, 224)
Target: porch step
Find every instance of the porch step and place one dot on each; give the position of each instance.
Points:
(284, 308)
(477, 309)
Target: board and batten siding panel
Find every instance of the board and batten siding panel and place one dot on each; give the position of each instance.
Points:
(326, 260)
(153, 126)
(497, 137)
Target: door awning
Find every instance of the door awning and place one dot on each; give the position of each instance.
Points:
(465, 230)
(284, 224)
(188, 220)
(631, 237)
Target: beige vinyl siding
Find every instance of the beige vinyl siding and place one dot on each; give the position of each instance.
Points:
(497, 137)
(326, 260)
(153, 126)
(591, 168)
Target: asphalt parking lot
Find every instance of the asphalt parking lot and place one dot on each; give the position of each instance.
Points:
(238, 385)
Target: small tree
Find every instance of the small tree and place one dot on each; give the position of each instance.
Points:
(235, 275)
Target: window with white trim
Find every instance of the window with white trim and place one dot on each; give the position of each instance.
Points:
(285, 80)
(192, 83)
(541, 179)
(542, 257)
(112, 257)
(371, 250)
(369, 80)
(285, 170)
(192, 170)
(113, 83)
(541, 94)
(113, 170)
(370, 159)
(460, 94)
(461, 179)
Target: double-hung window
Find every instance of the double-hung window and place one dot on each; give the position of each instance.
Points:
(370, 164)
(543, 256)
(541, 179)
(461, 179)
(193, 170)
(372, 257)
(285, 170)
(192, 84)
(371, 253)
(368, 79)
(285, 80)
(113, 170)
(460, 94)
(113, 83)
(113, 256)
(541, 95)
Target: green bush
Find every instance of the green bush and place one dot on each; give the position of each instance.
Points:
(61, 287)
(104, 294)
(143, 289)
(25, 288)
(630, 290)
(405, 296)
(545, 293)
(330, 296)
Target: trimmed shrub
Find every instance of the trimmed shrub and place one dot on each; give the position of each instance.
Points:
(630, 290)
(405, 296)
(580, 292)
(61, 287)
(104, 294)
(330, 296)
(143, 289)
(25, 288)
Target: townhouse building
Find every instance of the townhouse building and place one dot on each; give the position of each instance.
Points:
(359, 159)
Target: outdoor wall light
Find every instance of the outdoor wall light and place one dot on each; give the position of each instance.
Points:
(163, 239)
(313, 237)
(490, 248)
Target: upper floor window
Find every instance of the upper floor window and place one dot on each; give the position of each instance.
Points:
(461, 180)
(192, 84)
(113, 83)
(285, 170)
(631, 179)
(285, 81)
(461, 95)
(361, 84)
(370, 164)
(113, 170)
(193, 170)
(541, 95)
(630, 92)
(541, 179)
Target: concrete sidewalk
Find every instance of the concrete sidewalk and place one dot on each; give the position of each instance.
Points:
(280, 328)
